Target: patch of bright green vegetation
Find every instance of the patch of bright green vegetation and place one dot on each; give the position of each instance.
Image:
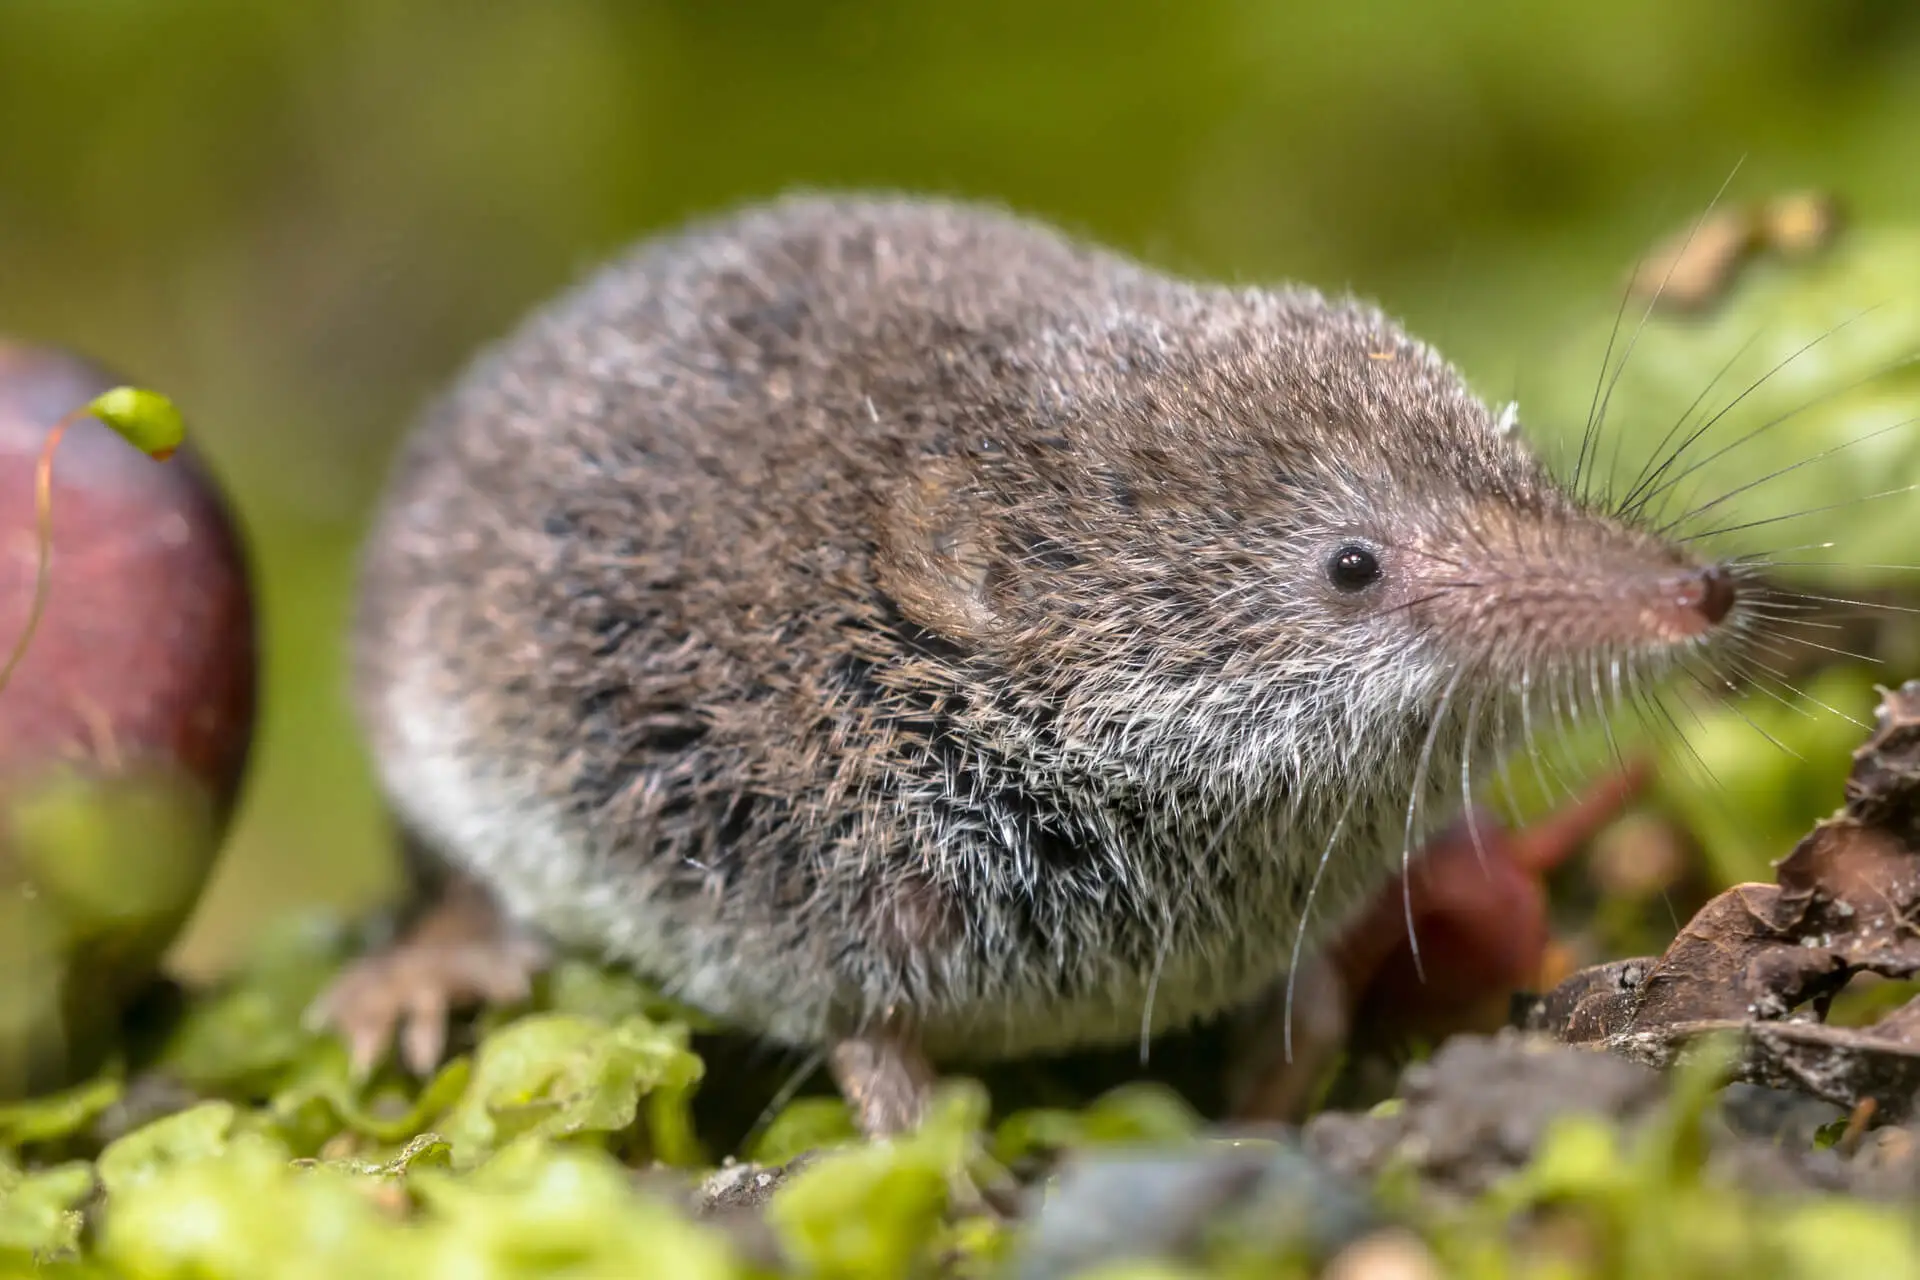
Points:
(531, 1157)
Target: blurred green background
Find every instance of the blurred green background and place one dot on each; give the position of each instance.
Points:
(298, 218)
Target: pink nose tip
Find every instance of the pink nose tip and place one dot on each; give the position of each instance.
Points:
(1710, 593)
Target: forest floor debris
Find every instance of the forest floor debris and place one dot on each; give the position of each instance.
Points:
(1606, 1140)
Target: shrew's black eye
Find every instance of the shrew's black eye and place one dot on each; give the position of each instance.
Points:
(1352, 567)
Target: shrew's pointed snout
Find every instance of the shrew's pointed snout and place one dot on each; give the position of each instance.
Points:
(1709, 592)
(1597, 589)
(1690, 602)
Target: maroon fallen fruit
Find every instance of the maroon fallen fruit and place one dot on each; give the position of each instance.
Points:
(1479, 904)
(124, 731)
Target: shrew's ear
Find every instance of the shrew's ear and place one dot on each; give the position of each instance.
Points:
(932, 557)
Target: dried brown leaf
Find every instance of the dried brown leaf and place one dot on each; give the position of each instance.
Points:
(1763, 960)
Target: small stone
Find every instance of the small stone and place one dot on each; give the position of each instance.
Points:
(1475, 1112)
(1164, 1202)
(735, 1186)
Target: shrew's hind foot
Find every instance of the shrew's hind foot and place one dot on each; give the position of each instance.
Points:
(886, 1080)
(458, 952)
(888, 1083)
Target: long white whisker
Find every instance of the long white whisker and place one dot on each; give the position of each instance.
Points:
(1466, 783)
(1795, 515)
(1857, 604)
(1598, 419)
(1300, 932)
(1413, 806)
(1153, 990)
(1641, 479)
(1640, 502)
(783, 1095)
(1730, 494)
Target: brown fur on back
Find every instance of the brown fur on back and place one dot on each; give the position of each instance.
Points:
(854, 606)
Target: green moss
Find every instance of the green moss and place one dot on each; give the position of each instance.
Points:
(55, 1116)
(1135, 1113)
(39, 1211)
(561, 1075)
(809, 1124)
(519, 1160)
(878, 1209)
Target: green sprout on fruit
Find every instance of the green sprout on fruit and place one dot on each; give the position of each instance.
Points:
(146, 420)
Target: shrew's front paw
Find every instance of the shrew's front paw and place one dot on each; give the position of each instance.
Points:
(461, 952)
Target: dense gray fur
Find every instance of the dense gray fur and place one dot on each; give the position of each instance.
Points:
(853, 607)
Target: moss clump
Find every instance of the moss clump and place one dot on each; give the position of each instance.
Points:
(564, 1144)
